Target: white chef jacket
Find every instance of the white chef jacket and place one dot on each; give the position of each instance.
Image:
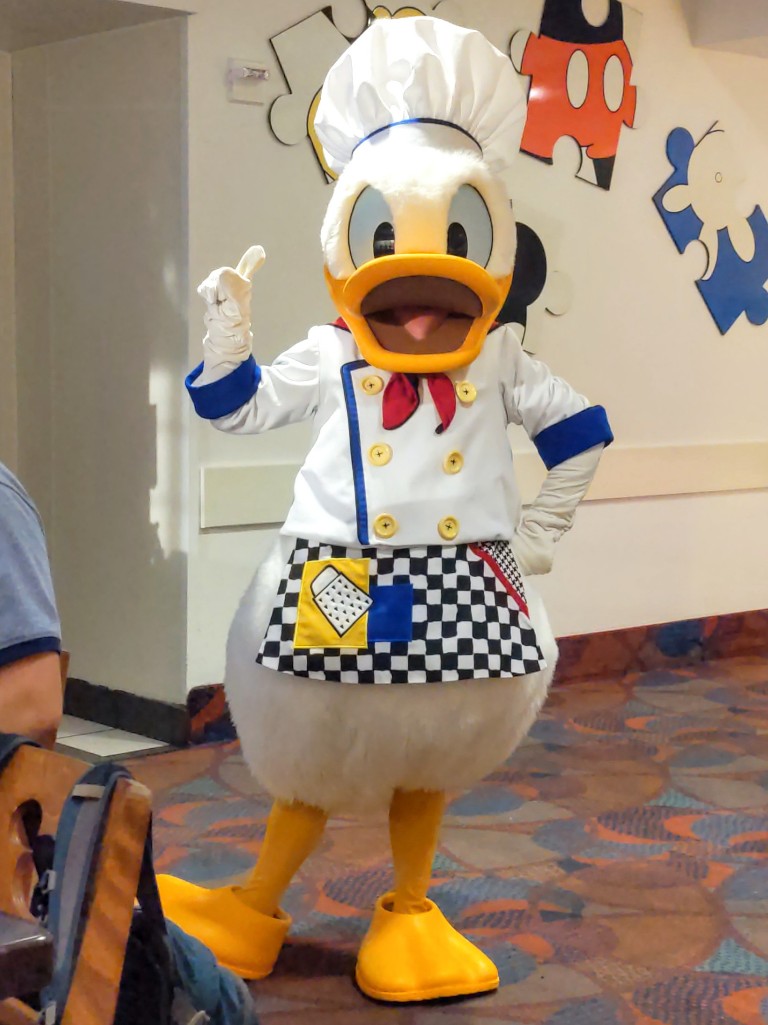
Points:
(363, 485)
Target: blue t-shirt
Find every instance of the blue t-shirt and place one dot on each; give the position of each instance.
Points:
(29, 622)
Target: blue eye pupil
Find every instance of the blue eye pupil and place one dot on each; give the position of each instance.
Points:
(384, 240)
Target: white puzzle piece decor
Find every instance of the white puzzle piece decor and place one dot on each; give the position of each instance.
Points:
(306, 51)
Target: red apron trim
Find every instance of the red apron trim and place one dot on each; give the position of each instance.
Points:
(498, 572)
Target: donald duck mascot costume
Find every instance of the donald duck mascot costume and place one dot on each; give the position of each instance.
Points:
(391, 650)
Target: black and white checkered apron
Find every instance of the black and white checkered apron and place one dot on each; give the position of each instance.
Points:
(470, 618)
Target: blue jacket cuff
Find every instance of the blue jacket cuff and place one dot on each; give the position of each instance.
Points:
(573, 435)
(220, 398)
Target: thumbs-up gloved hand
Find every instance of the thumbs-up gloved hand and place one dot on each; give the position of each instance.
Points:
(227, 295)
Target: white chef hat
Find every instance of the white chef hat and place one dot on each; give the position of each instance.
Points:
(421, 69)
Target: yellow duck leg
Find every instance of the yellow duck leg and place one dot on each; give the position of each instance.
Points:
(243, 925)
(411, 952)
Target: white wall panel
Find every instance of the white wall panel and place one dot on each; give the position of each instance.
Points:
(102, 251)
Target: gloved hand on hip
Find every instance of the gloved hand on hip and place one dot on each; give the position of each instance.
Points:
(533, 547)
(545, 521)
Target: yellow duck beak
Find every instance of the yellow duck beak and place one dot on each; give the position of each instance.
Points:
(419, 312)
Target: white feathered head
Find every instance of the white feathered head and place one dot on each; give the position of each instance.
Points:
(419, 117)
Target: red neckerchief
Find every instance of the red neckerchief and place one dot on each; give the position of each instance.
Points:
(401, 399)
(401, 396)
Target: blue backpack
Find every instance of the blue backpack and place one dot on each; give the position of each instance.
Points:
(169, 978)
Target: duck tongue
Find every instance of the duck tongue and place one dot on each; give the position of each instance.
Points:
(419, 321)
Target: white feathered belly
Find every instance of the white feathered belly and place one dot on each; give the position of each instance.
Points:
(346, 747)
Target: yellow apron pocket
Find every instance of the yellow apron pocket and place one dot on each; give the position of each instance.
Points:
(333, 604)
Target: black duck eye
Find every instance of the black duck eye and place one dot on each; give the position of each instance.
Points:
(470, 230)
(457, 240)
(371, 232)
(384, 240)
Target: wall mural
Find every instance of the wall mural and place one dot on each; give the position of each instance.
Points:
(701, 202)
(580, 71)
(580, 83)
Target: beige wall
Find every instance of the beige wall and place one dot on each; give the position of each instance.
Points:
(34, 350)
(8, 440)
(729, 24)
(638, 337)
(101, 293)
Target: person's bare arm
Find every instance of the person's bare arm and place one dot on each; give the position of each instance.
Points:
(30, 631)
(31, 697)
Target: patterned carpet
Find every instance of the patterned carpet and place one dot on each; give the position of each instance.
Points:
(616, 868)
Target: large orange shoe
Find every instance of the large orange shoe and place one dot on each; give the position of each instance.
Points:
(420, 957)
(241, 939)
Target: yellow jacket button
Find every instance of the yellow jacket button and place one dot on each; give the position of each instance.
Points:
(453, 462)
(372, 384)
(385, 525)
(466, 392)
(380, 454)
(448, 528)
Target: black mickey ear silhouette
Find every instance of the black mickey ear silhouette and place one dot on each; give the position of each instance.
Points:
(529, 277)
(564, 20)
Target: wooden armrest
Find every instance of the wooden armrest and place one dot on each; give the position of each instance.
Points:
(26, 957)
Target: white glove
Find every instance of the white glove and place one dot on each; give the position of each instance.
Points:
(551, 515)
(227, 295)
